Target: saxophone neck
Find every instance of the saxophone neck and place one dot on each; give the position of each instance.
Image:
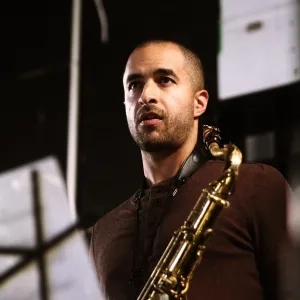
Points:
(232, 157)
(230, 154)
(226, 183)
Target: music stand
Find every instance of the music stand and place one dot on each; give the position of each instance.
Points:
(42, 254)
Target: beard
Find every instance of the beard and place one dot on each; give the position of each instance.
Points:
(168, 135)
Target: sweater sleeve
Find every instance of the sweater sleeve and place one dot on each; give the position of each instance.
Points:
(269, 203)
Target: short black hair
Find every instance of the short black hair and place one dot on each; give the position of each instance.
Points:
(193, 60)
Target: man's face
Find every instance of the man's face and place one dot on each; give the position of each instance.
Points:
(159, 97)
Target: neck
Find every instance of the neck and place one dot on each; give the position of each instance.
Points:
(160, 166)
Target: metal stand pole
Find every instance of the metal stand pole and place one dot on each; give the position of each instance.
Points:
(73, 107)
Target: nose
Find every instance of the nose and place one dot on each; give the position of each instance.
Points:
(150, 94)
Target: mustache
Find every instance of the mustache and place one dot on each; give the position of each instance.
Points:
(149, 108)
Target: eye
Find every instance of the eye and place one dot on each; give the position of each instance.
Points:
(166, 80)
(133, 85)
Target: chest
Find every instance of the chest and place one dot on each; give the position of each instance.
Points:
(139, 240)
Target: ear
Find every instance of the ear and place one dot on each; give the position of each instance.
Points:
(200, 102)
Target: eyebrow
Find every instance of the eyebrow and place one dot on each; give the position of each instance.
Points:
(160, 71)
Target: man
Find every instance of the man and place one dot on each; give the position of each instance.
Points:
(164, 99)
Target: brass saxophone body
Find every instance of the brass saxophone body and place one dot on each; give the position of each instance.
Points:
(172, 275)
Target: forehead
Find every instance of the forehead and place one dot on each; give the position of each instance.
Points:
(154, 56)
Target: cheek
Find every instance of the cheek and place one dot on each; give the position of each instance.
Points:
(182, 106)
(129, 109)
(183, 99)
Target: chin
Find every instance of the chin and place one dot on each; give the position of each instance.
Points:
(152, 146)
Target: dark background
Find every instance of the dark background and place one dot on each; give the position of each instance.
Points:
(35, 85)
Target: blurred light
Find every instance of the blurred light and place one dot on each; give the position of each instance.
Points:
(260, 147)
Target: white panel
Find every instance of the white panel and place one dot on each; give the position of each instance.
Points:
(233, 9)
(259, 52)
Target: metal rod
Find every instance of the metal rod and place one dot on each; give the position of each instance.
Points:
(39, 230)
(103, 20)
(74, 107)
(36, 253)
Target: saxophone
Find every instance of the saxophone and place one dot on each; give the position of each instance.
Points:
(173, 274)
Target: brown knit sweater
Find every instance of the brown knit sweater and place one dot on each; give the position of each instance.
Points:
(242, 257)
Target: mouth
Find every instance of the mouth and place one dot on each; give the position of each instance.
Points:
(149, 119)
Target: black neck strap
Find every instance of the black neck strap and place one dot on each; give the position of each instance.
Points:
(194, 161)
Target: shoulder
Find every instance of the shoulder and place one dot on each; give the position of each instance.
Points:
(259, 174)
(262, 196)
(260, 169)
(258, 185)
(252, 176)
(266, 193)
(264, 177)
